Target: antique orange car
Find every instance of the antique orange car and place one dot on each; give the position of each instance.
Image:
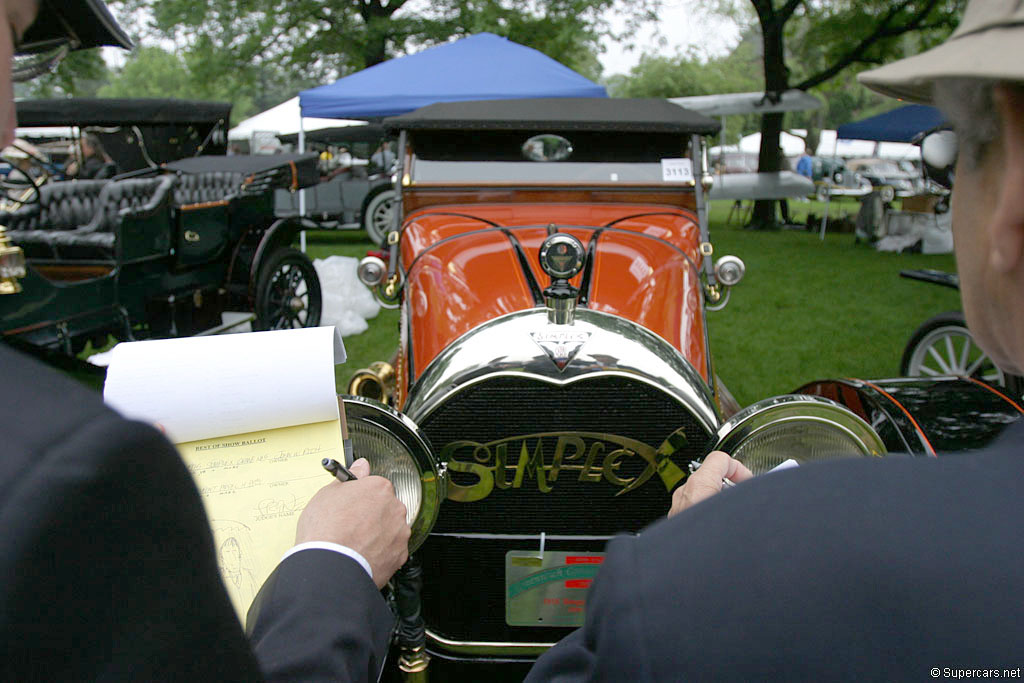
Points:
(554, 381)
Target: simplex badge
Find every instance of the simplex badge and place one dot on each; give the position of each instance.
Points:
(560, 345)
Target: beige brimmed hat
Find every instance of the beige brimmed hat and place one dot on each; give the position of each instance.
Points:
(989, 43)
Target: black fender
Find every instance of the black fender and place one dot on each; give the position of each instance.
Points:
(926, 416)
(281, 233)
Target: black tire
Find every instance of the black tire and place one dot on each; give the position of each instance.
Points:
(943, 345)
(378, 214)
(287, 292)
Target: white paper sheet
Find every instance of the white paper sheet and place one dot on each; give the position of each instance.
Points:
(204, 387)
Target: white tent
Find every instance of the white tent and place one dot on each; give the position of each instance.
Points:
(283, 119)
(792, 145)
(850, 149)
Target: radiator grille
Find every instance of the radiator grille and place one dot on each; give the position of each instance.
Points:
(464, 578)
(505, 408)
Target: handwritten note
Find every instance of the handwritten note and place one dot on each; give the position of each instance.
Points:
(252, 415)
(253, 487)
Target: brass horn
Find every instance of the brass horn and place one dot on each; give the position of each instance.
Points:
(376, 382)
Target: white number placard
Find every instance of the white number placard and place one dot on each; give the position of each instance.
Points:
(677, 170)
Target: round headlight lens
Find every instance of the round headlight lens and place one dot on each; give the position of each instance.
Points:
(772, 431)
(398, 451)
(389, 459)
(803, 440)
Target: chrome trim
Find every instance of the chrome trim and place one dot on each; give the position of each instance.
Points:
(371, 271)
(615, 347)
(473, 647)
(729, 270)
(570, 268)
(433, 475)
(560, 311)
(796, 407)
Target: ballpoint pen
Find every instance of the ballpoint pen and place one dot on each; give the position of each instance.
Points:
(340, 472)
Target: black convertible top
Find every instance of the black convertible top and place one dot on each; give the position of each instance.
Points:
(119, 112)
(562, 113)
(370, 132)
(239, 163)
(89, 21)
(277, 170)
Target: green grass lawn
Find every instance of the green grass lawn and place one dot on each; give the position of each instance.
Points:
(810, 309)
(807, 309)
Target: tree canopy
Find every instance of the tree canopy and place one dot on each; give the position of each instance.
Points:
(820, 45)
(258, 46)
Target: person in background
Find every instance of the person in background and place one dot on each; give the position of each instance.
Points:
(108, 564)
(93, 162)
(805, 164)
(341, 163)
(889, 569)
(383, 158)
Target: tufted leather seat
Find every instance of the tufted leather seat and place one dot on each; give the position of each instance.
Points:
(95, 238)
(197, 188)
(61, 206)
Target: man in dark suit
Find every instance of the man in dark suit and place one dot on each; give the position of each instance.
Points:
(894, 569)
(107, 561)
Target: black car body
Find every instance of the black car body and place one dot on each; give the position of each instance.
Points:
(162, 253)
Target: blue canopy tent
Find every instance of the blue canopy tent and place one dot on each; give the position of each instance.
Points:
(481, 67)
(899, 125)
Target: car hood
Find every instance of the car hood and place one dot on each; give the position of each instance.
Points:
(468, 264)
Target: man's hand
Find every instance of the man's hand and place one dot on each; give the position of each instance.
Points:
(363, 515)
(707, 480)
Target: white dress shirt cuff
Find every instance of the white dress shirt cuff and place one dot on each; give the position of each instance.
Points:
(324, 545)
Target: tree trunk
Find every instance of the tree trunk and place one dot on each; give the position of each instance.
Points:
(377, 18)
(776, 81)
(769, 161)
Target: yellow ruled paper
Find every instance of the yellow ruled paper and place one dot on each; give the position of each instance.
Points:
(253, 487)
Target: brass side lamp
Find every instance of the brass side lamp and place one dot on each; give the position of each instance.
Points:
(12, 264)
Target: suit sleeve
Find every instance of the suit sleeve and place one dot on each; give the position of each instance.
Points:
(613, 628)
(108, 562)
(320, 617)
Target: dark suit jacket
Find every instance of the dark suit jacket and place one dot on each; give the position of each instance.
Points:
(107, 566)
(858, 569)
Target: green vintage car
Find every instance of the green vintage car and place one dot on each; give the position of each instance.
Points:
(157, 253)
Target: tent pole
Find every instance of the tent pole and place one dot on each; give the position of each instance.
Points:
(302, 192)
